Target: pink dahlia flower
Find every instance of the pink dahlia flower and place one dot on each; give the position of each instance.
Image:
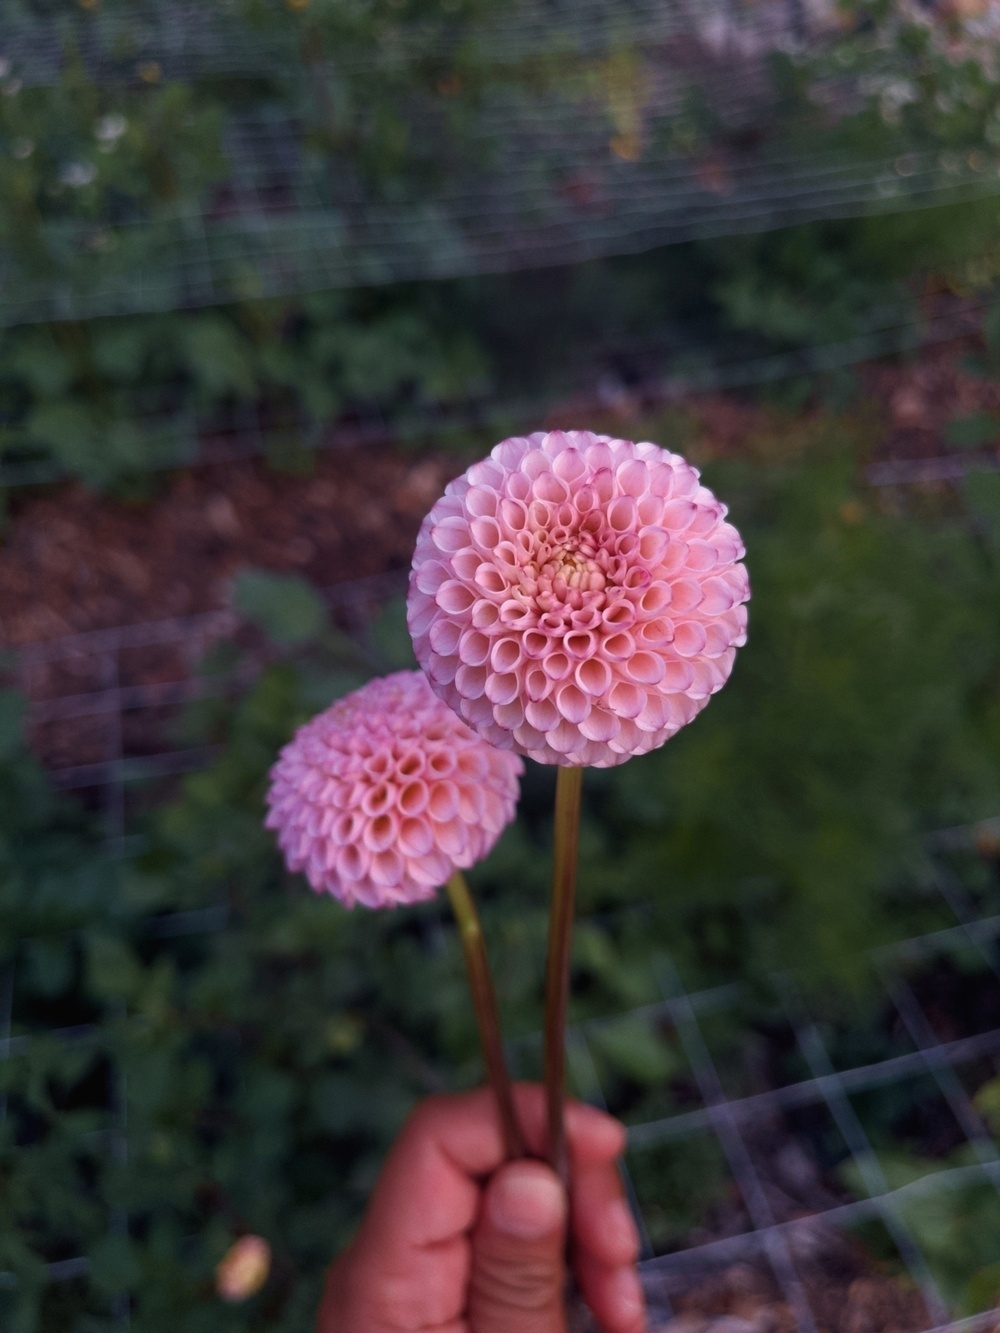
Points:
(578, 598)
(382, 796)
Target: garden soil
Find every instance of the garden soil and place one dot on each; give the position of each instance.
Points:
(73, 560)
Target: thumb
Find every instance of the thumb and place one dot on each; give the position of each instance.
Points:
(518, 1282)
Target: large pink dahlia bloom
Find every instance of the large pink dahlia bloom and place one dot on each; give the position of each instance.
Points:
(578, 598)
(383, 795)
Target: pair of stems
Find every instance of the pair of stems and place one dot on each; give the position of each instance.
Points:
(569, 782)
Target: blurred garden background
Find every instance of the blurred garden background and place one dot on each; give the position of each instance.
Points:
(273, 271)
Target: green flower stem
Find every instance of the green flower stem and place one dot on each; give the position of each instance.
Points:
(485, 1004)
(569, 782)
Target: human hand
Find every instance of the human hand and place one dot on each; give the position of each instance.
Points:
(456, 1240)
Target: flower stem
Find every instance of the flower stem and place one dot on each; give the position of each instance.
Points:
(485, 1004)
(569, 782)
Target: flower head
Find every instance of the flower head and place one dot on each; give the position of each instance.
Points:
(243, 1269)
(386, 793)
(577, 598)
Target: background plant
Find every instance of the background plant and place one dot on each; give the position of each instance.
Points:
(278, 1029)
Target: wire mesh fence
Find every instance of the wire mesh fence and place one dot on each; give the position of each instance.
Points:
(794, 1172)
(584, 167)
(185, 439)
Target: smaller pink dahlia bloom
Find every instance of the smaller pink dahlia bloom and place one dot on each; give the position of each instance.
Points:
(578, 598)
(382, 796)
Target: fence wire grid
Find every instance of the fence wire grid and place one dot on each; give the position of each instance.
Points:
(786, 1219)
(624, 371)
(585, 168)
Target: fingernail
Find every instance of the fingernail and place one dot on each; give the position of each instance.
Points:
(626, 1293)
(620, 1227)
(527, 1202)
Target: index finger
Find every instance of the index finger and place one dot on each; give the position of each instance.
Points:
(428, 1191)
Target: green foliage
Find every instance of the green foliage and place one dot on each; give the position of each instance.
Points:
(679, 1185)
(268, 1048)
(284, 607)
(975, 431)
(864, 708)
(955, 1227)
(103, 168)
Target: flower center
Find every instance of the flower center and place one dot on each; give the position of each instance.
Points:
(571, 572)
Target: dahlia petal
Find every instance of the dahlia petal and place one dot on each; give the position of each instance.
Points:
(598, 455)
(593, 677)
(444, 636)
(556, 665)
(563, 736)
(537, 684)
(351, 862)
(416, 837)
(443, 804)
(451, 534)
(620, 613)
(653, 715)
(442, 669)
(619, 646)
(492, 581)
(679, 514)
(701, 556)
(454, 597)
(653, 541)
(453, 839)
(509, 716)
(430, 576)
(645, 668)
(632, 477)
(487, 472)
(568, 464)
(717, 639)
(581, 643)
(626, 699)
(514, 515)
(572, 703)
(506, 654)
(486, 533)
(534, 463)
(600, 725)
(482, 501)
(470, 681)
(501, 689)
(386, 869)
(622, 514)
(474, 648)
(381, 832)
(689, 638)
(687, 594)
(551, 489)
(655, 633)
(467, 564)
(485, 616)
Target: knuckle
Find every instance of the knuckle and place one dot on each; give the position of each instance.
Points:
(531, 1285)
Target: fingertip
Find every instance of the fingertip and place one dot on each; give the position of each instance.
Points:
(616, 1297)
(594, 1134)
(525, 1200)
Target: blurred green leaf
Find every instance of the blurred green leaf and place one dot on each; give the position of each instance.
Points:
(285, 607)
(972, 432)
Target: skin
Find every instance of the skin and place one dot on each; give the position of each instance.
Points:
(455, 1240)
